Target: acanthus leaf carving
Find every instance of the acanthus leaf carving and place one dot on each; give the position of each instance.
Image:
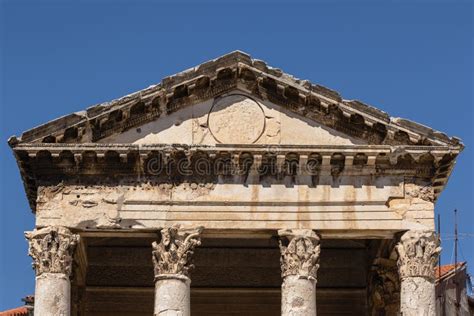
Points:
(418, 254)
(52, 249)
(299, 253)
(173, 254)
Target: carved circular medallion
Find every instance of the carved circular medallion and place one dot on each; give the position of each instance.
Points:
(236, 119)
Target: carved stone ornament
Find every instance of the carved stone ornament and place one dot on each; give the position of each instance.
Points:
(236, 119)
(173, 254)
(425, 193)
(384, 288)
(52, 249)
(299, 253)
(418, 254)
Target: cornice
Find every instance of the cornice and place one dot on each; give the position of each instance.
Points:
(263, 148)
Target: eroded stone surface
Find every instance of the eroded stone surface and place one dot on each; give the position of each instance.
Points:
(417, 297)
(298, 296)
(418, 253)
(252, 202)
(236, 119)
(172, 297)
(52, 249)
(425, 193)
(173, 254)
(52, 295)
(300, 255)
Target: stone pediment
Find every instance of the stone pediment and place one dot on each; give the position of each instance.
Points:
(235, 117)
(200, 96)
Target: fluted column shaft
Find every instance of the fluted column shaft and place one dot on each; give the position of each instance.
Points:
(299, 250)
(418, 253)
(172, 260)
(52, 250)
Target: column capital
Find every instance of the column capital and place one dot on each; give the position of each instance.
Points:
(52, 249)
(418, 254)
(299, 253)
(173, 254)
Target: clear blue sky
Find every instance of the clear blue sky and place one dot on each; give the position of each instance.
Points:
(413, 59)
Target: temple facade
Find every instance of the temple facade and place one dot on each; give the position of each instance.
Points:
(233, 188)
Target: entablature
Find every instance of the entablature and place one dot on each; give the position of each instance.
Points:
(205, 164)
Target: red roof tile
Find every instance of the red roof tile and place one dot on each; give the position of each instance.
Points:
(20, 311)
(443, 270)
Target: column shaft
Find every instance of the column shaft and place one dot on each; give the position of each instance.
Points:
(172, 297)
(52, 295)
(417, 297)
(298, 296)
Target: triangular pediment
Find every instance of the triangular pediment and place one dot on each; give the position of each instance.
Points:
(230, 100)
(235, 117)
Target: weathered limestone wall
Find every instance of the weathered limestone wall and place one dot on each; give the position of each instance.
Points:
(417, 204)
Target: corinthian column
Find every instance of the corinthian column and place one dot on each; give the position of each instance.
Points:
(299, 250)
(417, 258)
(52, 250)
(172, 260)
